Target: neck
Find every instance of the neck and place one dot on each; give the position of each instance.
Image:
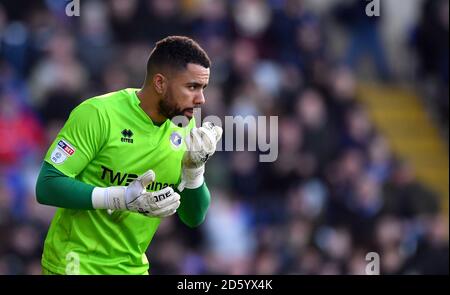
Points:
(149, 103)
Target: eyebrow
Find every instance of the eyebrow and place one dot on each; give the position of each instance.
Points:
(196, 84)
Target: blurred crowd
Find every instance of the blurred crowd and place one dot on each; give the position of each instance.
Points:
(336, 191)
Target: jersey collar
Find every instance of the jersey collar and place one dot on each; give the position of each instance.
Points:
(136, 101)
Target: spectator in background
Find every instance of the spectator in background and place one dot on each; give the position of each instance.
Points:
(21, 142)
(56, 82)
(431, 43)
(94, 44)
(405, 196)
(161, 18)
(123, 19)
(365, 37)
(320, 140)
(212, 21)
(431, 39)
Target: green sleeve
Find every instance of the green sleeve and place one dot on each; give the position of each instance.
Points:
(56, 189)
(194, 205)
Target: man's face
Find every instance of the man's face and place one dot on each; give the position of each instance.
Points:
(184, 92)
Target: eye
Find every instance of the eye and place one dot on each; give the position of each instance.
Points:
(192, 87)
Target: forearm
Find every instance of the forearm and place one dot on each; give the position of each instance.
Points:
(194, 205)
(56, 189)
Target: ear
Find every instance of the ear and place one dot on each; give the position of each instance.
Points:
(159, 83)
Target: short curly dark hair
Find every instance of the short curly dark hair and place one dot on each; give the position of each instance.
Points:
(175, 52)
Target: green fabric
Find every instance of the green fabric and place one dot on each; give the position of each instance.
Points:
(52, 184)
(194, 205)
(109, 140)
(48, 272)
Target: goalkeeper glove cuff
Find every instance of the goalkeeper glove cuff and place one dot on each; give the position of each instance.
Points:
(192, 178)
(113, 197)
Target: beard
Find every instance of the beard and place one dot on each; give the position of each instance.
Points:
(168, 108)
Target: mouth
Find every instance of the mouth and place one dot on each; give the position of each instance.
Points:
(189, 112)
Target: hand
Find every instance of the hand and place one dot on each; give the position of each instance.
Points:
(161, 203)
(201, 145)
(135, 198)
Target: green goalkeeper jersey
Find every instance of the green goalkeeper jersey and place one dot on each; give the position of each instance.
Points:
(107, 141)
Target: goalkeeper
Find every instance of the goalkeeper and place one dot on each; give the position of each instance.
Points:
(120, 164)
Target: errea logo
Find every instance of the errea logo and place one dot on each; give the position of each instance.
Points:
(127, 134)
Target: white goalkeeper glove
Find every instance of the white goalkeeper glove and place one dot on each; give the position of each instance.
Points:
(201, 145)
(134, 197)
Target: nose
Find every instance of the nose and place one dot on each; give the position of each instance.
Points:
(199, 98)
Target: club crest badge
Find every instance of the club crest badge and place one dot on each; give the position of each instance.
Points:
(176, 139)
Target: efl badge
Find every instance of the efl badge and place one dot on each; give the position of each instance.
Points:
(176, 139)
(61, 152)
